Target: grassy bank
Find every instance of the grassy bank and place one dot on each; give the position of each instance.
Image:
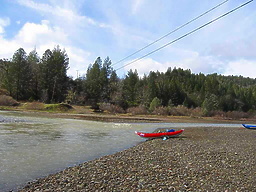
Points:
(86, 113)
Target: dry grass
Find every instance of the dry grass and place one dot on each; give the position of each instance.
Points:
(7, 101)
(111, 108)
(34, 106)
(140, 110)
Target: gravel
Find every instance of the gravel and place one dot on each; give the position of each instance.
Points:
(201, 159)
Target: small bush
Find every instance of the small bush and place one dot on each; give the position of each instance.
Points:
(219, 114)
(7, 101)
(111, 108)
(34, 106)
(237, 114)
(161, 111)
(140, 110)
(196, 112)
(184, 111)
(4, 92)
(173, 111)
(154, 104)
(180, 111)
(58, 107)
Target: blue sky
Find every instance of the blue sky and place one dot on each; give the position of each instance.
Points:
(87, 29)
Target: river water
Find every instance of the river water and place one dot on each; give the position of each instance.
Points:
(33, 147)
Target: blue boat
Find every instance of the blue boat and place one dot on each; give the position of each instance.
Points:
(249, 126)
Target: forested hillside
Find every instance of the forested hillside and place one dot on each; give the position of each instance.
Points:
(28, 77)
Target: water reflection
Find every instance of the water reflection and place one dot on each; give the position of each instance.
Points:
(39, 131)
(95, 135)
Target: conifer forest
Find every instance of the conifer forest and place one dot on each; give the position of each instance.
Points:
(27, 77)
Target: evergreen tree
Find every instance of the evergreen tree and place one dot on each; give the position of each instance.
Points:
(152, 89)
(154, 104)
(115, 88)
(93, 83)
(211, 103)
(46, 76)
(5, 76)
(33, 61)
(130, 88)
(105, 74)
(53, 75)
(21, 75)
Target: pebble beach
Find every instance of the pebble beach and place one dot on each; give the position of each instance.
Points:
(201, 159)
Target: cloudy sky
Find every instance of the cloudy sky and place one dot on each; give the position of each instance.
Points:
(87, 29)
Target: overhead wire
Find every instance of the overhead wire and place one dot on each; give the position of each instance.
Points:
(189, 33)
(178, 28)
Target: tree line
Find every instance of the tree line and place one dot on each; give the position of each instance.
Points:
(29, 77)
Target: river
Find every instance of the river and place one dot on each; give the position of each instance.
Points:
(33, 147)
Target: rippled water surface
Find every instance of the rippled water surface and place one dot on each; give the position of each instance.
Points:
(33, 147)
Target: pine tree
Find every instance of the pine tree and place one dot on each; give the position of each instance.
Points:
(154, 104)
(93, 83)
(5, 76)
(130, 88)
(105, 73)
(33, 61)
(53, 75)
(21, 75)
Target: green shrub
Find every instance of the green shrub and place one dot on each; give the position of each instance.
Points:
(154, 104)
(58, 107)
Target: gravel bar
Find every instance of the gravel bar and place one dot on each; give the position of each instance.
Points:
(201, 159)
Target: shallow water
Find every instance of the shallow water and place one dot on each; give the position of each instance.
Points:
(33, 147)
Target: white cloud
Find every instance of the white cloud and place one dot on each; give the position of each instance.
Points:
(241, 67)
(66, 15)
(32, 34)
(202, 64)
(8, 47)
(136, 5)
(198, 64)
(187, 60)
(68, 24)
(237, 49)
(42, 37)
(79, 59)
(3, 23)
(64, 26)
(144, 66)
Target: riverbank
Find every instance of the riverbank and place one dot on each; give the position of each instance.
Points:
(213, 159)
(86, 113)
(128, 118)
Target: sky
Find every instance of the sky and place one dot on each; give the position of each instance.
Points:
(88, 29)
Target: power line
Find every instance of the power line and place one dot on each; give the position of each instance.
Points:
(189, 33)
(178, 28)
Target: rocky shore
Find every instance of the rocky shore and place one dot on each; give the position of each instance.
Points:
(202, 159)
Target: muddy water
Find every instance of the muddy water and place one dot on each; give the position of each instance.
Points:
(35, 147)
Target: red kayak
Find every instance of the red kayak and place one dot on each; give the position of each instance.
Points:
(162, 135)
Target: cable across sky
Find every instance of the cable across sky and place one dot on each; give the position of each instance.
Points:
(187, 34)
(178, 28)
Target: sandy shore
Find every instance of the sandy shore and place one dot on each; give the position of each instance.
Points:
(202, 159)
